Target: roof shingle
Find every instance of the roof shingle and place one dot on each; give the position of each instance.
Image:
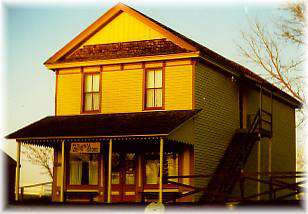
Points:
(124, 50)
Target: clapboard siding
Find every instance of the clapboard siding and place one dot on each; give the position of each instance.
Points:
(178, 85)
(284, 140)
(122, 89)
(184, 133)
(283, 151)
(215, 125)
(68, 93)
(123, 28)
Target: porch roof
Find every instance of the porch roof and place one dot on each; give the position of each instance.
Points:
(105, 125)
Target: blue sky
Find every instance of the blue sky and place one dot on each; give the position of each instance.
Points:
(33, 33)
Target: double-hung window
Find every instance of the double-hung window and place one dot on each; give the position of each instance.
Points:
(91, 92)
(154, 89)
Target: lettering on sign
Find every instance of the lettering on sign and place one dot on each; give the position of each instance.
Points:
(85, 147)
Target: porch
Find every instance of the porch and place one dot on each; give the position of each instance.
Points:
(113, 157)
(122, 169)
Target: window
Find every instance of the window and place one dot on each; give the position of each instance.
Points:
(170, 167)
(154, 89)
(83, 169)
(151, 168)
(115, 172)
(91, 92)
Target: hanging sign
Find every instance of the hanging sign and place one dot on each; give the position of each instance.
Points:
(85, 147)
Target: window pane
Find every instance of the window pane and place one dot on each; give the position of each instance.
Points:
(115, 175)
(93, 172)
(150, 98)
(75, 165)
(96, 82)
(95, 101)
(83, 169)
(150, 79)
(172, 160)
(130, 163)
(130, 178)
(115, 178)
(158, 98)
(88, 83)
(152, 171)
(158, 79)
(88, 102)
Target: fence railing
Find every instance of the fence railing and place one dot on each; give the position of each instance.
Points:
(39, 190)
(277, 186)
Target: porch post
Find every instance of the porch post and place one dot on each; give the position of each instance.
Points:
(109, 171)
(259, 169)
(161, 154)
(17, 171)
(259, 145)
(62, 172)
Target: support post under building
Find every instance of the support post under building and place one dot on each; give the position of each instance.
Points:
(17, 171)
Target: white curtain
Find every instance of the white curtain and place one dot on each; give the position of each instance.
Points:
(93, 172)
(88, 102)
(88, 83)
(173, 166)
(152, 170)
(158, 97)
(150, 98)
(95, 86)
(158, 79)
(75, 172)
(150, 79)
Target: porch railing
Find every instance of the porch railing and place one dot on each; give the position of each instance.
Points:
(276, 186)
(36, 190)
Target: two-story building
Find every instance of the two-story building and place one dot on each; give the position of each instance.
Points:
(135, 100)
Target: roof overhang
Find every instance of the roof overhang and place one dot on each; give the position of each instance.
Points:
(140, 125)
(123, 60)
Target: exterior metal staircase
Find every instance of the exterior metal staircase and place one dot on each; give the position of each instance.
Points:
(228, 170)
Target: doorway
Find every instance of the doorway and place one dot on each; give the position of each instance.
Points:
(123, 177)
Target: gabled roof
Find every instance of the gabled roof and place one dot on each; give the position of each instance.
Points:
(178, 39)
(105, 19)
(243, 71)
(105, 125)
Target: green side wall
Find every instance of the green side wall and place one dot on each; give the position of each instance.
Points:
(215, 125)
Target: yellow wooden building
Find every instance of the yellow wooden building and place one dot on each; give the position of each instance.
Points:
(136, 100)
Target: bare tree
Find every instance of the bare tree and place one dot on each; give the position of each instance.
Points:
(278, 52)
(300, 159)
(39, 156)
(293, 28)
(266, 49)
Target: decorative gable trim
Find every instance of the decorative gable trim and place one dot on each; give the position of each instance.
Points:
(104, 20)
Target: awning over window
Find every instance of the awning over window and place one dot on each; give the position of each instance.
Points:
(156, 123)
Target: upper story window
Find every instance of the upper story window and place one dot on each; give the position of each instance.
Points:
(154, 89)
(91, 92)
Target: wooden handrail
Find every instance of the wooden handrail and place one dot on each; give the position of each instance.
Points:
(35, 185)
(42, 191)
(244, 174)
(266, 112)
(274, 184)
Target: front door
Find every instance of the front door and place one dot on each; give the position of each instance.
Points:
(123, 177)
